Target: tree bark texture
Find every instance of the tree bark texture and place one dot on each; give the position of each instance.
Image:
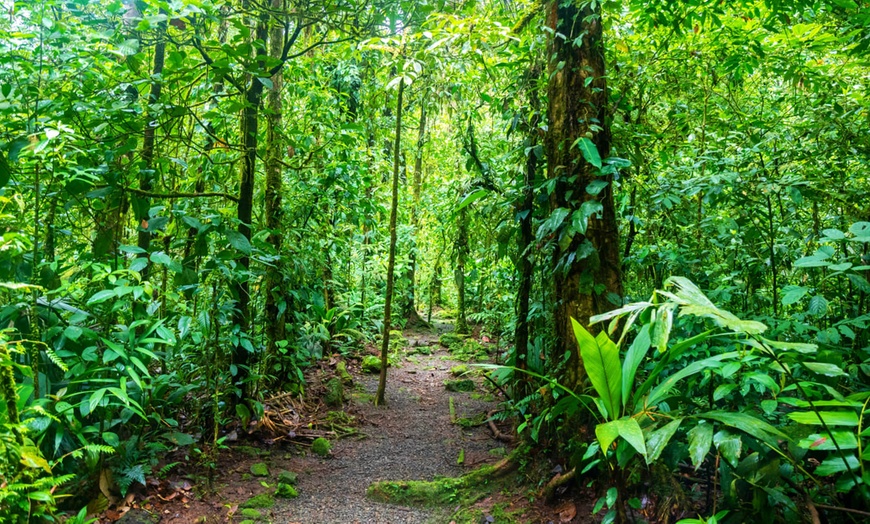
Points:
(587, 270)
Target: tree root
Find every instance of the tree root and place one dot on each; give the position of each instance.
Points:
(556, 482)
(496, 434)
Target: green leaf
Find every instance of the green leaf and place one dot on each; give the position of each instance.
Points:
(747, 423)
(181, 439)
(238, 241)
(5, 171)
(600, 358)
(729, 445)
(861, 230)
(96, 397)
(472, 197)
(700, 440)
(659, 392)
(606, 434)
(31, 458)
(101, 296)
(793, 294)
(635, 355)
(826, 369)
(658, 440)
(625, 427)
(831, 418)
(589, 150)
(818, 306)
(835, 464)
(111, 439)
(823, 441)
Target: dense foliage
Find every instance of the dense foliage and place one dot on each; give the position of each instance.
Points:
(199, 200)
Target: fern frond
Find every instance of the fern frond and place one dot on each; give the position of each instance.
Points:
(164, 471)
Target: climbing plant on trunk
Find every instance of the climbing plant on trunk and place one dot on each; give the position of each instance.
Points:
(586, 259)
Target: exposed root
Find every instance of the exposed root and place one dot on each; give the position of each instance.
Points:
(556, 482)
(496, 433)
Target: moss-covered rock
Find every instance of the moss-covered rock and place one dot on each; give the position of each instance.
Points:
(342, 373)
(449, 339)
(464, 490)
(321, 446)
(461, 369)
(334, 393)
(260, 469)
(288, 477)
(371, 364)
(261, 501)
(251, 513)
(459, 385)
(286, 491)
(423, 350)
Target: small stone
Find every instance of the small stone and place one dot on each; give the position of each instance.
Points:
(260, 469)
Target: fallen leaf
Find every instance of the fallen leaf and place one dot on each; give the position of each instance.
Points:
(567, 512)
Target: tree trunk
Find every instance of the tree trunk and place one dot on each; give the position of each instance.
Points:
(146, 175)
(249, 129)
(391, 261)
(275, 306)
(588, 278)
(410, 306)
(524, 253)
(459, 270)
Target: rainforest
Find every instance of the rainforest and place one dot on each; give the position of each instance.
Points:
(434, 261)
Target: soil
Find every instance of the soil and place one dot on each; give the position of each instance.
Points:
(411, 438)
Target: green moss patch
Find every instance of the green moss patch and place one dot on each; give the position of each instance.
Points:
(371, 364)
(461, 369)
(342, 373)
(260, 469)
(321, 447)
(442, 491)
(288, 477)
(459, 385)
(449, 339)
(286, 491)
(334, 393)
(261, 501)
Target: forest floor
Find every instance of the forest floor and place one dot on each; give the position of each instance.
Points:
(413, 437)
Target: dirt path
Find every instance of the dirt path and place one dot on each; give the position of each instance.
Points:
(411, 438)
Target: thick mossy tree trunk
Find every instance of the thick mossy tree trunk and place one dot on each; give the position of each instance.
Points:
(459, 269)
(146, 174)
(275, 307)
(588, 277)
(410, 307)
(391, 261)
(525, 210)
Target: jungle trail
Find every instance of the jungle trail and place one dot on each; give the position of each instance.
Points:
(434, 261)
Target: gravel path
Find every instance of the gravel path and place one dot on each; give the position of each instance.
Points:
(411, 438)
